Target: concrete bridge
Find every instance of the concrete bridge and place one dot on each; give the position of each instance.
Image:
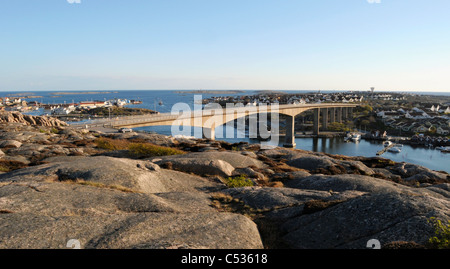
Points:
(209, 119)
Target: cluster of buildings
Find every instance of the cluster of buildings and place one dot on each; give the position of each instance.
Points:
(65, 109)
(429, 140)
(16, 104)
(434, 119)
(386, 97)
(287, 98)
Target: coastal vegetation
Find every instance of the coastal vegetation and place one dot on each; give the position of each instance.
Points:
(136, 149)
(238, 181)
(113, 111)
(441, 238)
(150, 150)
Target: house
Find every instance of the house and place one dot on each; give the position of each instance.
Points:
(421, 129)
(441, 131)
(92, 104)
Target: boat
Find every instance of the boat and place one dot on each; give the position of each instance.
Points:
(356, 137)
(395, 150)
(352, 137)
(348, 137)
(387, 143)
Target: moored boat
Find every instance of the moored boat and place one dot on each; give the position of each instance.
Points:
(395, 150)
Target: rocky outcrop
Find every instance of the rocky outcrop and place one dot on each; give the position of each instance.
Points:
(109, 202)
(131, 174)
(386, 217)
(16, 117)
(56, 184)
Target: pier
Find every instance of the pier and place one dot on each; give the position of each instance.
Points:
(382, 151)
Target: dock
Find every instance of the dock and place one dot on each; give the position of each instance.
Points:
(382, 151)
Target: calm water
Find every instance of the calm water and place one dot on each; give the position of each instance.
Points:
(430, 158)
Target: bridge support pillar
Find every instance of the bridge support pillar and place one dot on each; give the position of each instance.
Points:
(339, 114)
(345, 114)
(332, 114)
(324, 118)
(209, 133)
(350, 113)
(316, 121)
(289, 141)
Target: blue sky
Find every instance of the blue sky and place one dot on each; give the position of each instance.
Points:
(225, 44)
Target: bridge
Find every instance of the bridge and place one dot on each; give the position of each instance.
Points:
(209, 119)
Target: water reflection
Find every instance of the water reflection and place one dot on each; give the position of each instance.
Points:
(428, 157)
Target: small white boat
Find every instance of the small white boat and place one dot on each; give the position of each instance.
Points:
(395, 150)
(352, 137)
(356, 137)
(387, 143)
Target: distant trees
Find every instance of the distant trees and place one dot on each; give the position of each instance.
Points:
(338, 127)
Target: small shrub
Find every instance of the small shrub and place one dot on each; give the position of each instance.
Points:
(275, 184)
(441, 238)
(8, 166)
(3, 168)
(151, 150)
(226, 203)
(239, 181)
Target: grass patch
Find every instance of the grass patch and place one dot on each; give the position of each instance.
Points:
(104, 186)
(226, 203)
(111, 144)
(238, 181)
(8, 166)
(136, 149)
(3, 168)
(151, 150)
(95, 184)
(53, 130)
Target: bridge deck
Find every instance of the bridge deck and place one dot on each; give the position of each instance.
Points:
(236, 112)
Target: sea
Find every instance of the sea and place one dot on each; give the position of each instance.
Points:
(164, 100)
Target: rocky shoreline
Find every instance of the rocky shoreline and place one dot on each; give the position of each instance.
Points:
(139, 190)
